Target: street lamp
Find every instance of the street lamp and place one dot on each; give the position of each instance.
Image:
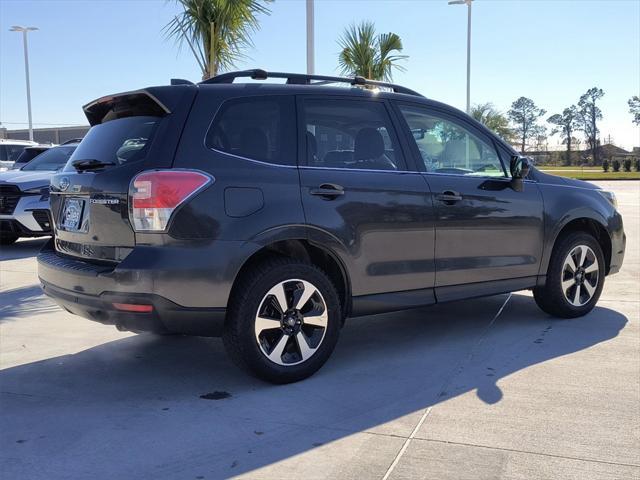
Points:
(24, 31)
(468, 4)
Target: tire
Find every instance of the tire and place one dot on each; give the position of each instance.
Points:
(269, 347)
(8, 239)
(559, 297)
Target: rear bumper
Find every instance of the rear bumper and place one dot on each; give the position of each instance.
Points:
(90, 290)
(166, 316)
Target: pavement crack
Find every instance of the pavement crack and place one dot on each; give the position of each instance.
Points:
(528, 452)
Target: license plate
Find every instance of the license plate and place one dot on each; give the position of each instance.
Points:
(72, 214)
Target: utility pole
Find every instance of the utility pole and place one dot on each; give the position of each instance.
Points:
(310, 39)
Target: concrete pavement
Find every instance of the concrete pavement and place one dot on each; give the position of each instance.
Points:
(457, 391)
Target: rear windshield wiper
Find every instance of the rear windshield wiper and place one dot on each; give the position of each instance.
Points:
(90, 164)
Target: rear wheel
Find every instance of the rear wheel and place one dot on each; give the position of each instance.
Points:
(283, 322)
(8, 238)
(575, 277)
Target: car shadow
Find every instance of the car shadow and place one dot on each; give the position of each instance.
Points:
(28, 247)
(23, 302)
(174, 407)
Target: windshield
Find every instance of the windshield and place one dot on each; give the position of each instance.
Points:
(53, 159)
(117, 141)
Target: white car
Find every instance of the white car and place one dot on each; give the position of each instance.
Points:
(24, 195)
(10, 150)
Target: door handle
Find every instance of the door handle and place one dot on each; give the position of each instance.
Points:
(449, 197)
(328, 191)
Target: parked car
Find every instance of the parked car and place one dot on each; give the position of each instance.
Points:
(10, 150)
(28, 154)
(268, 213)
(24, 195)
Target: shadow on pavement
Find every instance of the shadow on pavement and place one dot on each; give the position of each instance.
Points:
(22, 249)
(23, 302)
(132, 408)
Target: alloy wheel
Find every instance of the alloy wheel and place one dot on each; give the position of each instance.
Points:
(580, 275)
(291, 322)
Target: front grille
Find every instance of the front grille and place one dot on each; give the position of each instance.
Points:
(43, 219)
(9, 197)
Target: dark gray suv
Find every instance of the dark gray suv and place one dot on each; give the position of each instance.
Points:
(268, 213)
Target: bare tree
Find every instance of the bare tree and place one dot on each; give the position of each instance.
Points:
(634, 109)
(524, 115)
(589, 114)
(565, 124)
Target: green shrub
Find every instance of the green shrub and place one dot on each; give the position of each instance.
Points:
(637, 164)
(616, 165)
(627, 165)
(605, 166)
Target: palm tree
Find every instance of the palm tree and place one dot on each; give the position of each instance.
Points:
(368, 54)
(494, 120)
(216, 30)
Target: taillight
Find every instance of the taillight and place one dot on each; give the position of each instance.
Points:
(154, 196)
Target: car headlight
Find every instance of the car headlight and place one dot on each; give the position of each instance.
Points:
(42, 191)
(610, 196)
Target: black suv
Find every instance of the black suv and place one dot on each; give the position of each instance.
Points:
(268, 213)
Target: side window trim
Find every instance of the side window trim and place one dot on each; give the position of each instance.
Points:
(448, 116)
(403, 166)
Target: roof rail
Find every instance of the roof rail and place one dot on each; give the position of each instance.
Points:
(72, 140)
(304, 79)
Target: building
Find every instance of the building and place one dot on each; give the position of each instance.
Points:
(46, 135)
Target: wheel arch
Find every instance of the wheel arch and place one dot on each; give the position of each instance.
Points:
(584, 223)
(302, 249)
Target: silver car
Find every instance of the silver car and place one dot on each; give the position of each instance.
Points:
(24, 195)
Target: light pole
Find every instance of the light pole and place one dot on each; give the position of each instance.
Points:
(310, 34)
(468, 3)
(24, 31)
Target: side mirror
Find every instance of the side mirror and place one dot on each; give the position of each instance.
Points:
(520, 167)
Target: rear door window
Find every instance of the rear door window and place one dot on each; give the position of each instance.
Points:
(258, 128)
(350, 134)
(118, 141)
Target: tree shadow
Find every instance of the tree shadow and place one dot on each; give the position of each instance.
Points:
(22, 249)
(133, 408)
(23, 302)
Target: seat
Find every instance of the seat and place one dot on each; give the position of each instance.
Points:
(368, 150)
(254, 144)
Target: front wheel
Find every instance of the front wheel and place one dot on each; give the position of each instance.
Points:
(283, 322)
(574, 279)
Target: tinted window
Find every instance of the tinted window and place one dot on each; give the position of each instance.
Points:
(448, 147)
(10, 153)
(52, 159)
(117, 141)
(259, 128)
(27, 155)
(350, 134)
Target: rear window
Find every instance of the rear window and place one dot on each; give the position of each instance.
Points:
(117, 141)
(52, 159)
(259, 128)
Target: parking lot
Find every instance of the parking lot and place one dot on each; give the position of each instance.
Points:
(488, 388)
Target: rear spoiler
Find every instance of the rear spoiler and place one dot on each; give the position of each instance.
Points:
(127, 104)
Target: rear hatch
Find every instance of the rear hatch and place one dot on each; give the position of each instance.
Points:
(130, 132)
